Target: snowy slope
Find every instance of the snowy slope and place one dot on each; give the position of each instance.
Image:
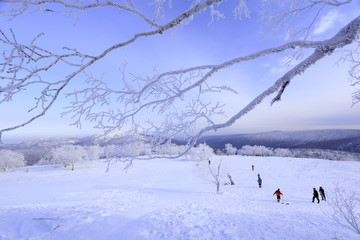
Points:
(170, 199)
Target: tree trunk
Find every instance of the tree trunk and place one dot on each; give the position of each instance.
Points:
(230, 178)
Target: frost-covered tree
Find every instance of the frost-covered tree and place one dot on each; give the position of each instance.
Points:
(256, 151)
(346, 208)
(182, 99)
(68, 155)
(93, 152)
(11, 159)
(230, 150)
(283, 152)
(212, 171)
(202, 152)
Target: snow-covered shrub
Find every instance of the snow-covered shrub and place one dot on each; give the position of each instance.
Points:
(93, 152)
(201, 152)
(168, 149)
(219, 152)
(282, 152)
(256, 151)
(68, 155)
(175, 149)
(118, 153)
(345, 206)
(11, 159)
(137, 148)
(230, 150)
(108, 149)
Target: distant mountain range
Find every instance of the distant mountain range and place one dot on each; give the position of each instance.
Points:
(334, 139)
(34, 150)
(117, 138)
(339, 140)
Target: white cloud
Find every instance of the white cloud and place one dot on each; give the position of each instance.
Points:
(327, 22)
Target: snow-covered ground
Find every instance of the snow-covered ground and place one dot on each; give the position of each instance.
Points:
(170, 199)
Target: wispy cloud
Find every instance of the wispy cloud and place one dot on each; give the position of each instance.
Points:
(327, 21)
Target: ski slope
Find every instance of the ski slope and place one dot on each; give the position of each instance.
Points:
(171, 199)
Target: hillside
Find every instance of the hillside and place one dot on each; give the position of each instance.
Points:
(167, 199)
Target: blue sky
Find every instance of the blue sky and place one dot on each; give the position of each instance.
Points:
(318, 99)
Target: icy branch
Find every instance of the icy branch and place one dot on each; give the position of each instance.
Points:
(162, 92)
(21, 58)
(287, 14)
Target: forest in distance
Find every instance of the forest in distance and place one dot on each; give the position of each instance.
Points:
(340, 145)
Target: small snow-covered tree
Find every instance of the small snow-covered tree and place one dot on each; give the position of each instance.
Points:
(282, 152)
(212, 171)
(93, 152)
(202, 152)
(217, 174)
(11, 159)
(256, 151)
(68, 155)
(346, 208)
(117, 153)
(137, 148)
(230, 150)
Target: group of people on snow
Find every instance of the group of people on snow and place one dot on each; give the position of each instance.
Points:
(316, 195)
(278, 193)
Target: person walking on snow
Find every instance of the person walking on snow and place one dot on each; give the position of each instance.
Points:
(315, 195)
(278, 193)
(260, 182)
(322, 194)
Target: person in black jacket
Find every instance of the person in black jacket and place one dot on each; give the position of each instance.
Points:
(315, 195)
(322, 194)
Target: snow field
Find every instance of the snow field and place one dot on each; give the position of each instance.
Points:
(170, 199)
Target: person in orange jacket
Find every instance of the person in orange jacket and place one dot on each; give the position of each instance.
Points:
(278, 193)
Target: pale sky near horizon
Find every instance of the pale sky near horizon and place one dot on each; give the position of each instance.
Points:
(321, 98)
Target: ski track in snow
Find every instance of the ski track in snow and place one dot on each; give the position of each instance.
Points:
(164, 199)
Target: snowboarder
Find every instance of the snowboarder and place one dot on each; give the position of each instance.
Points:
(260, 182)
(322, 194)
(278, 193)
(253, 167)
(315, 195)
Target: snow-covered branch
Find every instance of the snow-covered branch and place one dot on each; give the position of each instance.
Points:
(30, 60)
(278, 14)
(176, 102)
(71, 7)
(163, 91)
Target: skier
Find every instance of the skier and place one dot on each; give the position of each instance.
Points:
(260, 182)
(209, 161)
(253, 167)
(278, 193)
(322, 194)
(315, 195)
